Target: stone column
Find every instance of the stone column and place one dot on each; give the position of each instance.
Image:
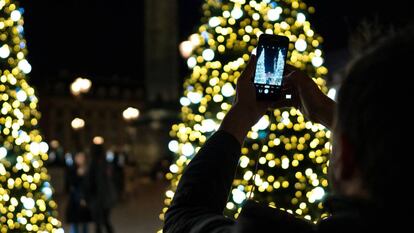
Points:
(161, 49)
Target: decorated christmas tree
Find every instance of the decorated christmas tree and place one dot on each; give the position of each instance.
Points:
(26, 203)
(290, 151)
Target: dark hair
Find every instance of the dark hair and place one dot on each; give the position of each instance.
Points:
(368, 34)
(373, 113)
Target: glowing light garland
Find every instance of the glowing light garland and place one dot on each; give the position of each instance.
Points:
(26, 203)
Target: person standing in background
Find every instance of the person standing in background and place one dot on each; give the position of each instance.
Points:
(119, 173)
(101, 189)
(77, 212)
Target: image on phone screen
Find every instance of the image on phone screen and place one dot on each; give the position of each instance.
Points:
(269, 69)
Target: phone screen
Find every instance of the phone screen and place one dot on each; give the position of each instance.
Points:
(269, 70)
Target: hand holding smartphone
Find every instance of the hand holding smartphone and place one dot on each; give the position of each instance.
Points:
(271, 60)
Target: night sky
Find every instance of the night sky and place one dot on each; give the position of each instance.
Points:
(88, 37)
(98, 37)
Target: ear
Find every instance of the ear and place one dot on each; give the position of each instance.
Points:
(346, 159)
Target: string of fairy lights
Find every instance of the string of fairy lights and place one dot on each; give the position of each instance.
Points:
(26, 203)
(293, 161)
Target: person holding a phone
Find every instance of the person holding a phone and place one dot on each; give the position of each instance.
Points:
(369, 174)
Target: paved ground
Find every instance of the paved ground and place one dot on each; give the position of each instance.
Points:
(140, 213)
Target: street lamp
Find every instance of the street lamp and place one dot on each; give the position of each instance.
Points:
(80, 86)
(98, 140)
(130, 114)
(186, 49)
(77, 123)
(77, 88)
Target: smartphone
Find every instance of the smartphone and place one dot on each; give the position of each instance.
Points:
(271, 55)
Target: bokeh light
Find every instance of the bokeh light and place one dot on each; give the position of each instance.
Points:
(26, 197)
(291, 152)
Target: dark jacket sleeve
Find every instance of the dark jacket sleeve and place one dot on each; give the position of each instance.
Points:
(202, 192)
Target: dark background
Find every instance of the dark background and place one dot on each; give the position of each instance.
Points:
(85, 37)
(102, 37)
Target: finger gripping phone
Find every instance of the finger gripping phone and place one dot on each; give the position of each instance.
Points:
(271, 58)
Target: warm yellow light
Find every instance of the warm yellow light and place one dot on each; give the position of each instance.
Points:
(78, 123)
(80, 86)
(130, 113)
(98, 140)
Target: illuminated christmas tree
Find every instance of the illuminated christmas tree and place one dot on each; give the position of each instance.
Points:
(26, 203)
(291, 152)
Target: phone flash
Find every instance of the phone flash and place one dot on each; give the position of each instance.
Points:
(288, 97)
